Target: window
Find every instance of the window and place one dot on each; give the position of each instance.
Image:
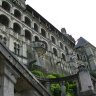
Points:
(43, 33)
(4, 20)
(45, 45)
(53, 40)
(35, 27)
(36, 38)
(63, 57)
(61, 45)
(16, 48)
(17, 28)
(1, 37)
(66, 50)
(6, 6)
(79, 57)
(27, 35)
(55, 52)
(17, 14)
(27, 21)
(5, 40)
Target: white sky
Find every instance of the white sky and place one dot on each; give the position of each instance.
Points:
(77, 16)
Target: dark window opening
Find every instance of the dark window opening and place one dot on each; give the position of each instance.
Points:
(16, 49)
(53, 39)
(27, 21)
(61, 45)
(1, 37)
(5, 40)
(17, 14)
(43, 32)
(35, 27)
(55, 52)
(79, 57)
(66, 50)
(45, 45)
(6, 6)
(4, 20)
(36, 38)
(17, 28)
(63, 57)
(27, 35)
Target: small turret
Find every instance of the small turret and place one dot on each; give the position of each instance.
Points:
(63, 30)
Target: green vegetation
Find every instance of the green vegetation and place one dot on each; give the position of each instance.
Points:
(38, 73)
(56, 88)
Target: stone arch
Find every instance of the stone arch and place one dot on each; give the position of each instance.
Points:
(4, 20)
(17, 28)
(17, 14)
(36, 38)
(55, 52)
(6, 6)
(27, 21)
(28, 35)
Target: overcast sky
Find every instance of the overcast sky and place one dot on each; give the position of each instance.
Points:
(77, 16)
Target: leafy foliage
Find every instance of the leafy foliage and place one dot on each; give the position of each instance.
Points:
(38, 73)
(56, 88)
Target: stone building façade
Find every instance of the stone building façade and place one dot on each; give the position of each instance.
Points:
(22, 29)
(37, 44)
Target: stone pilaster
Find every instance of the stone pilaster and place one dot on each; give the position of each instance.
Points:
(87, 88)
(0, 2)
(63, 89)
(48, 85)
(7, 79)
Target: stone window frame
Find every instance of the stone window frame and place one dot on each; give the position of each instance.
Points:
(19, 12)
(43, 32)
(36, 27)
(19, 26)
(53, 39)
(7, 19)
(61, 45)
(29, 24)
(55, 52)
(9, 5)
(63, 56)
(17, 48)
(29, 33)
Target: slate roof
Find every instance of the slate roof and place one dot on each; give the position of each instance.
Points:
(81, 42)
